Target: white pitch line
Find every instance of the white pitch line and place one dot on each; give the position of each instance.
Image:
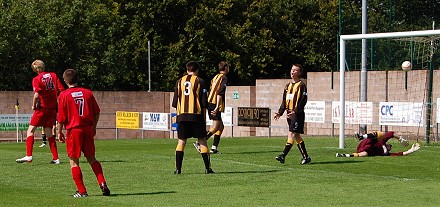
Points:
(309, 170)
(294, 169)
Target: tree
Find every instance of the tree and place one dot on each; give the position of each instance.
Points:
(107, 40)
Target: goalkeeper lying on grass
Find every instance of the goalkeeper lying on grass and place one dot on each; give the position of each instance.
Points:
(375, 144)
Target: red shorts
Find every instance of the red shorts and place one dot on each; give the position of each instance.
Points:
(44, 118)
(370, 146)
(364, 145)
(79, 140)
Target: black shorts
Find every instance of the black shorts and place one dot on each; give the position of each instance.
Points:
(189, 129)
(296, 123)
(218, 116)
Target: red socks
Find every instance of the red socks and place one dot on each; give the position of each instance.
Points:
(78, 179)
(52, 143)
(29, 145)
(97, 169)
(53, 147)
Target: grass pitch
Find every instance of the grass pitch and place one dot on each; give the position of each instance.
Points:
(140, 173)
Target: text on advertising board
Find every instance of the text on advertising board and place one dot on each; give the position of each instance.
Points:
(254, 117)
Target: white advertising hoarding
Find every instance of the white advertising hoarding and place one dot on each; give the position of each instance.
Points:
(355, 112)
(155, 121)
(438, 111)
(315, 111)
(8, 121)
(226, 117)
(401, 113)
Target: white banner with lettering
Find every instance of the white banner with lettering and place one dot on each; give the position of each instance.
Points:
(315, 111)
(401, 113)
(155, 121)
(355, 112)
(8, 121)
(226, 117)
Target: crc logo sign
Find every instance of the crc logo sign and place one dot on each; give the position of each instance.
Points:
(387, 110)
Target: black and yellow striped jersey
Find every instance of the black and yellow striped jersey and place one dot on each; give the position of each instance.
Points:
(379, 134)
(218, 87)
(190, 99)
(294, 97)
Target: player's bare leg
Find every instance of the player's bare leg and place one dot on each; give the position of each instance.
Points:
(218, 125)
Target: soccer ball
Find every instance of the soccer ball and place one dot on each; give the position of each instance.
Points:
(406, 65)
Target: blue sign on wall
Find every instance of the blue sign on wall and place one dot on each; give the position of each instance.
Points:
(173, 121)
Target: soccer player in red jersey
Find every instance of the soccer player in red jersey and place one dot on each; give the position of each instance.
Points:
(375, 144)
(79, 112)
(46, 87)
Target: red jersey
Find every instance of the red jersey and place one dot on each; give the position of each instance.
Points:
(48, 86)
(77, 107)
(377, 146)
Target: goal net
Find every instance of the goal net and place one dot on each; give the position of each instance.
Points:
(378, 94)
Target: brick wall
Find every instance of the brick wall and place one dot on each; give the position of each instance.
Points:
(134, 101)
(266, 93)
(109, 102)
(401, 87)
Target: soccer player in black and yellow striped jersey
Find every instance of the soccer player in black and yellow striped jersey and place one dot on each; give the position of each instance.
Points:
(294, 101)
(216, 106)
(190, 100)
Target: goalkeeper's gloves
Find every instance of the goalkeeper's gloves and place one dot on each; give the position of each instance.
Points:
(414, 147)
(403, 141)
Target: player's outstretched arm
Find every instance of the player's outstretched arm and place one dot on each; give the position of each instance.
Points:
(414, 147)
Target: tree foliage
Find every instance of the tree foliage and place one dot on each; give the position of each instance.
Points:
(107, 40)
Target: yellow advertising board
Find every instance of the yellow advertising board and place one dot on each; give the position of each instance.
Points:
(127, 120)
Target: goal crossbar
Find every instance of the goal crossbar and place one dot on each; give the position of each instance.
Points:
(342, 39)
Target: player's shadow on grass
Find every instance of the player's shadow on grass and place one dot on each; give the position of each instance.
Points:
(140, 194)
(85, 161)
(336, 162)
(112, 161)
(252, 152)
(251, 171)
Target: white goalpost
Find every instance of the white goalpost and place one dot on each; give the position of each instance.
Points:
(342, 66)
